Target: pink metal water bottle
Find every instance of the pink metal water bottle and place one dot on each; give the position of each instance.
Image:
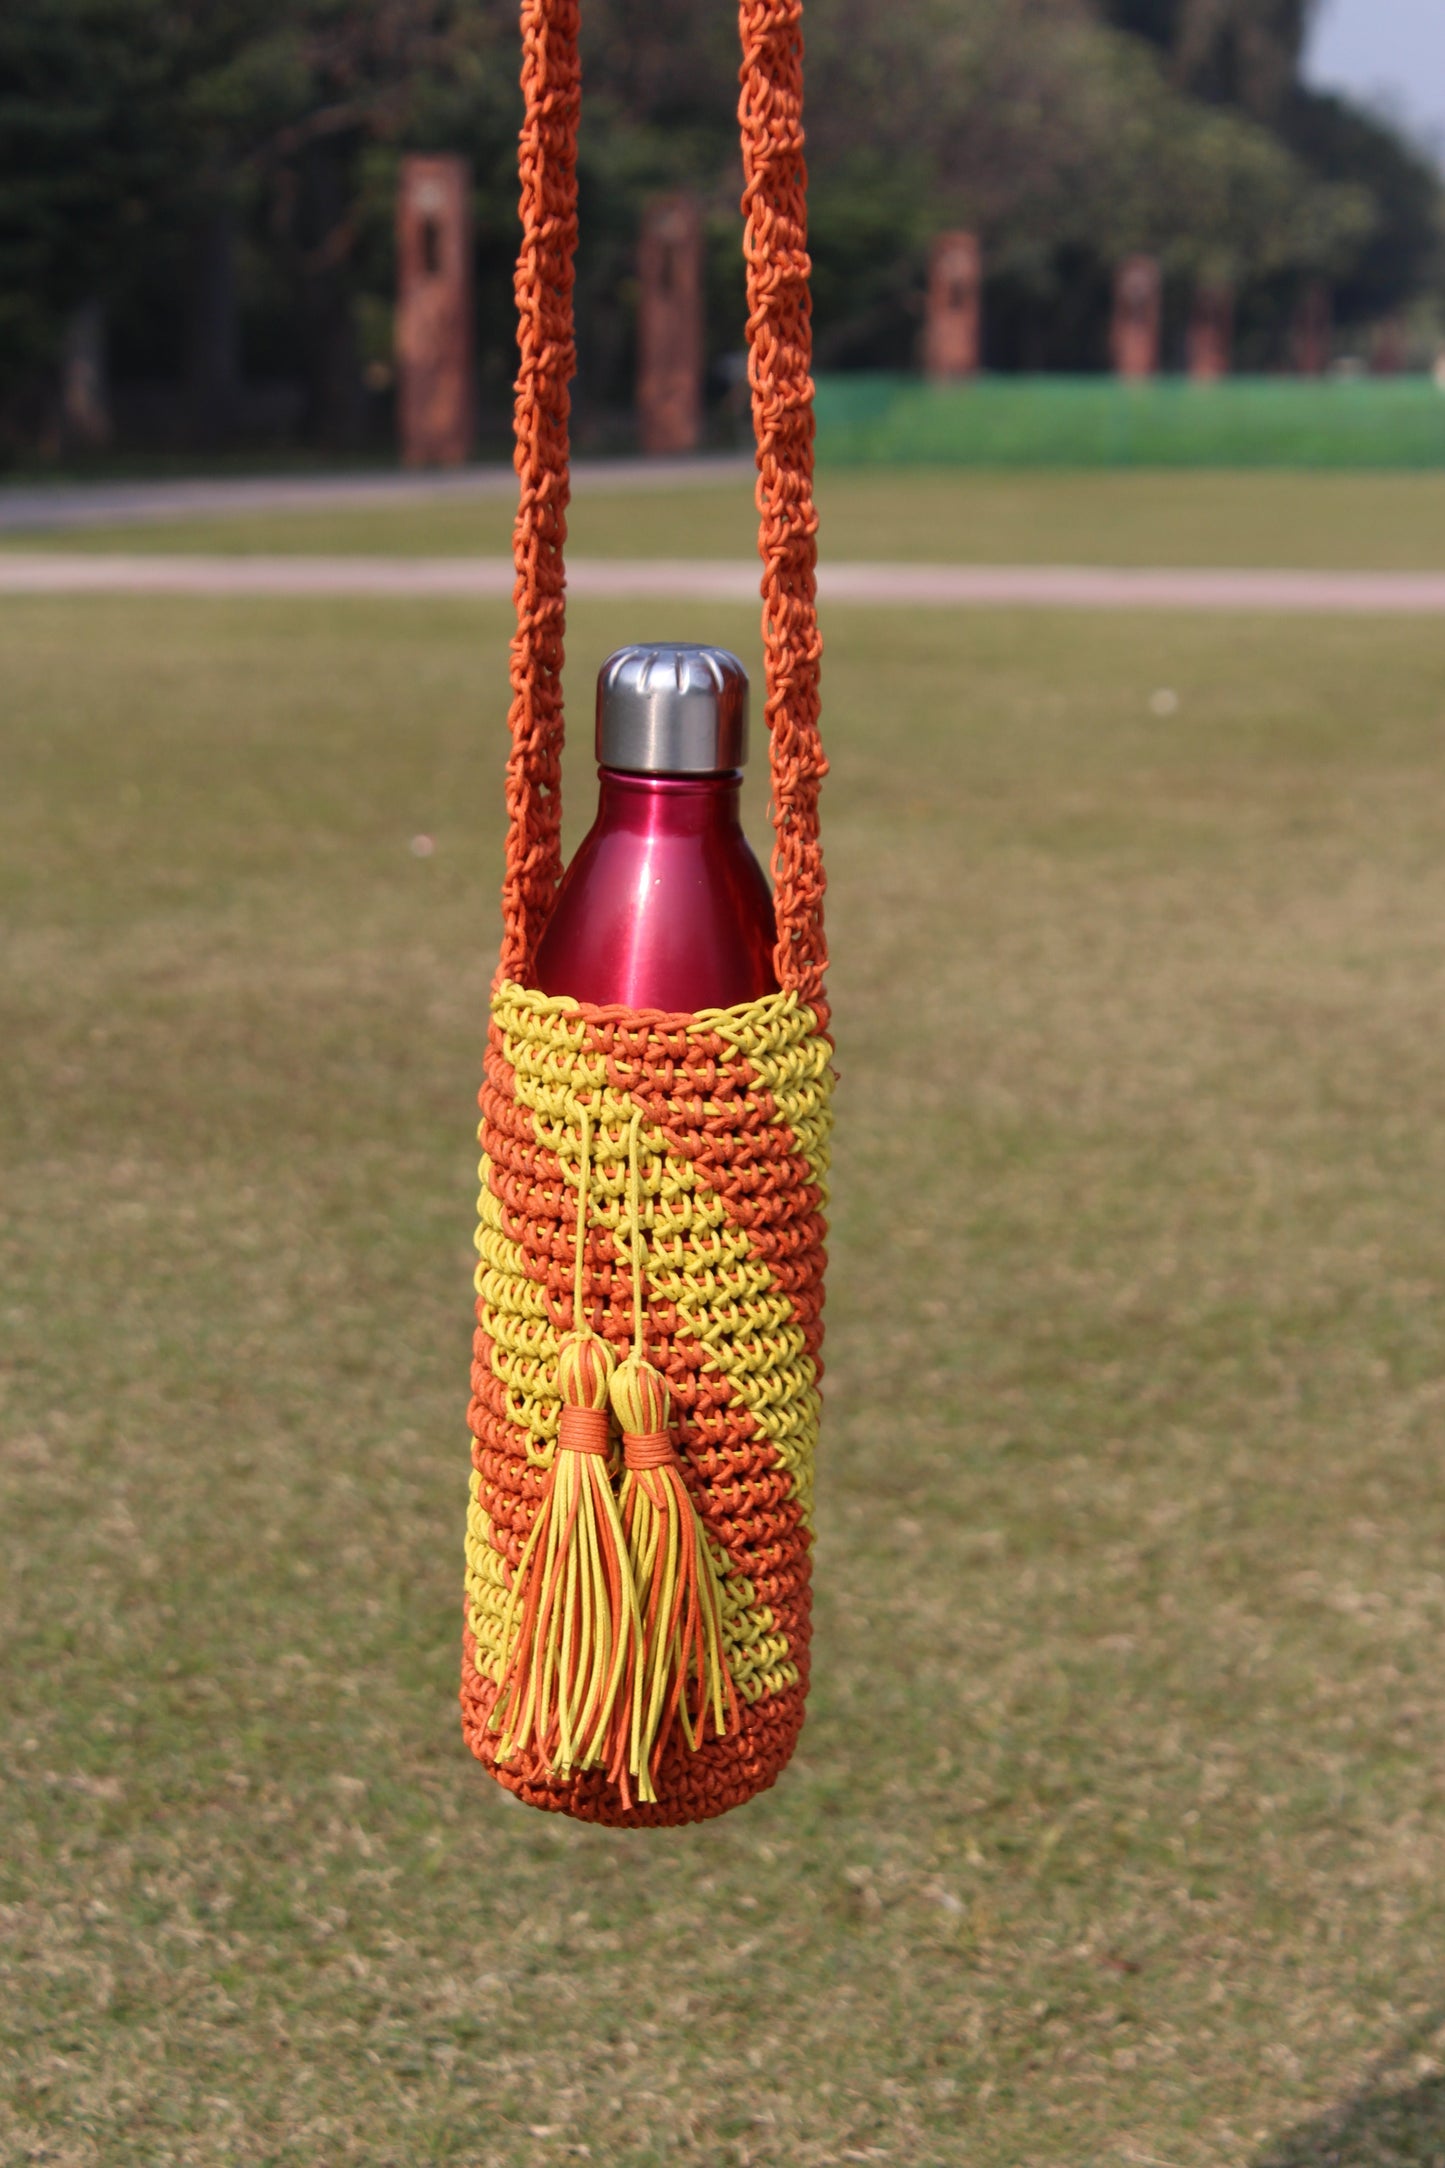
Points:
(665, 905)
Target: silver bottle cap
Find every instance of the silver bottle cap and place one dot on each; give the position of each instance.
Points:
(670, 708)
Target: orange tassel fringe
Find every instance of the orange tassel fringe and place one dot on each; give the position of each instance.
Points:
(680, 1673)
(573, 1623)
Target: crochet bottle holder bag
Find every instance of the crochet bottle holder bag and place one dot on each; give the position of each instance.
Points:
(649, 1314)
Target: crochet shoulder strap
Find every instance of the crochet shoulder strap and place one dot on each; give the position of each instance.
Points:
(770, 113)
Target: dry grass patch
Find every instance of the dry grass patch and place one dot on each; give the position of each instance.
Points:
(1118, 1831)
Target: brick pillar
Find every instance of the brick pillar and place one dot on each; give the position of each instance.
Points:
(1211, 333)
(435, 397)
(1134, 336)
(1312, 330)
(951, 325)
(670, 326)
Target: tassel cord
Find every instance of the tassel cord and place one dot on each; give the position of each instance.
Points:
(572, 1623)
(672, 1564)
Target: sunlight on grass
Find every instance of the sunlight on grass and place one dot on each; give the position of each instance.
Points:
(1117, 1832)
(1382, 522)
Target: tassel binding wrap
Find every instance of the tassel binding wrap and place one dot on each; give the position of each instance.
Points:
(720, 1120)
(680, 1673)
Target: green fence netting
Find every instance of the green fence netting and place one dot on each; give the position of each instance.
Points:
(868, 419)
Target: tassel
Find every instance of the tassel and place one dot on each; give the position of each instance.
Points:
(572, 1623)
(681, 1674)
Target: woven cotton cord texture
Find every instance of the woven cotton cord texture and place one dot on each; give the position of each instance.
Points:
(653, 1186)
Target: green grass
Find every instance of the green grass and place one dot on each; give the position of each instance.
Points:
(1388, 522)
(1117, 1833)
(1097, 421)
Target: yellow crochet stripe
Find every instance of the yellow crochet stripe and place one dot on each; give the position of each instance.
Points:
(726, 1298)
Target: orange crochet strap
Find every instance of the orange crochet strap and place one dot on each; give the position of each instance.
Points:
(651, 1235)
(770, 114)
(547, 166)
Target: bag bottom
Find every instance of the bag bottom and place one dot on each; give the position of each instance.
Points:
(692, 1786)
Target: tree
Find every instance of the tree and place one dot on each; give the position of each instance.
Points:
(1404, 243)
(1246, 54)
(1064, 143)
(221, 160)
(81, 161)
(288, 112)
(1231, 52)
(138, 130)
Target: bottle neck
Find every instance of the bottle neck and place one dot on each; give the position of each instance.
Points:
(678, 804)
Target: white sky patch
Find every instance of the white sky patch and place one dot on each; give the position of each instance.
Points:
(1391, 55)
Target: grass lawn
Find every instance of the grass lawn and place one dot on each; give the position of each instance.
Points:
(1117, 1834)
(1385, 522)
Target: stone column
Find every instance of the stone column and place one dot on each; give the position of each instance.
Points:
(1312, 330)
(670, 326)
(952, 322)
(435, 395)
(1211, 333)
(1134, 338)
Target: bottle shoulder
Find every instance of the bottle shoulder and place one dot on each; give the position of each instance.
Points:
(661, 918)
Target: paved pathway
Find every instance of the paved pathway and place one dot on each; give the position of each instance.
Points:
(1069, 587)
(35, 507)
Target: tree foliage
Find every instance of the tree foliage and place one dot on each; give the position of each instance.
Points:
(1061, 140)
(1245, 55)
(81, 163)
(156, 154)
(1232, 52)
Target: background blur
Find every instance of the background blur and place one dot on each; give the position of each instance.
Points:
(198, 195)
(1117, 1832)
